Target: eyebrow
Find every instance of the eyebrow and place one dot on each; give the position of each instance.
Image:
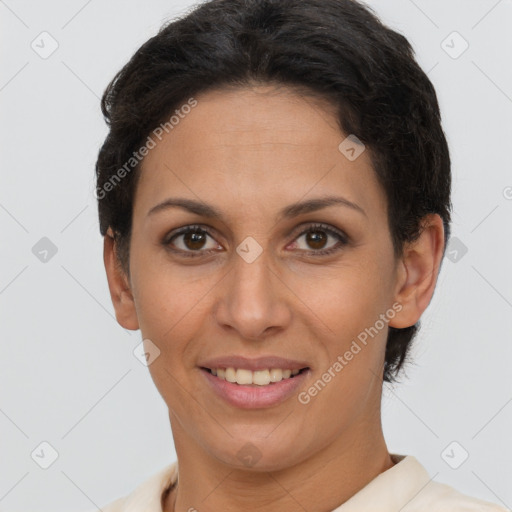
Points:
(292, 210)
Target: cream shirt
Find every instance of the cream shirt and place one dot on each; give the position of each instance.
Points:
(406, 487)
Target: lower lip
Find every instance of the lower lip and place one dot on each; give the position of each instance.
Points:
(255, 397)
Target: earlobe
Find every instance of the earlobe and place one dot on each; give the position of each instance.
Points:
(418, 271)
(119, 286)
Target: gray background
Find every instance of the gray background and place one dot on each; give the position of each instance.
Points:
(68, 374)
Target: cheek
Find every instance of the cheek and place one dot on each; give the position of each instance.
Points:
(165, 295)
(347, 297)
(346, 309)
(169, 311)
(346, 304)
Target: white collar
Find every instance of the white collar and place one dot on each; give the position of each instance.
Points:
(405, 487)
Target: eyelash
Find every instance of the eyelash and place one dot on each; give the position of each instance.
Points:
(343, 240)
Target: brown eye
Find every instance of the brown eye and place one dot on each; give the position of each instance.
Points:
(316, 240)
(194, 240)
(191, 239)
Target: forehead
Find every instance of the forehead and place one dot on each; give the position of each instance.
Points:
(260, 143)
(241, 119)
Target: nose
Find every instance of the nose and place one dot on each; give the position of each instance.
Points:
(253, 299)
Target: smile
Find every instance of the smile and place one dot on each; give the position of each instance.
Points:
(242, 376)
(258, 389)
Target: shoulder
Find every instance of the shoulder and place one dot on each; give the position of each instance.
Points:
(408, 487)
(115, 506)
(439, 497)
(118, 505)
(146, 497)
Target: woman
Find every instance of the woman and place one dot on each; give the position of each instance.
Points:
(274, 196)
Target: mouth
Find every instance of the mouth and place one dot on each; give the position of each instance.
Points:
(256, 378)
(254, 389)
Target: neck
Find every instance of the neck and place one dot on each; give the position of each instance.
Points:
(321, 482)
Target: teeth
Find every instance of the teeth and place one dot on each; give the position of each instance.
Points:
(276, 375)
(243, 376)
(230, 375)
(258, 377)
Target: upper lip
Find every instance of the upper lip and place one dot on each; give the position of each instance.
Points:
(253, 364)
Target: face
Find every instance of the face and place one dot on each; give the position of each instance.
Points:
(263, 278)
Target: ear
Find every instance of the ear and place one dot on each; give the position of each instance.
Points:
(417, 272)
(119, 286)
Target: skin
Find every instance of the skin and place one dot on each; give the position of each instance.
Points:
(251, 152)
